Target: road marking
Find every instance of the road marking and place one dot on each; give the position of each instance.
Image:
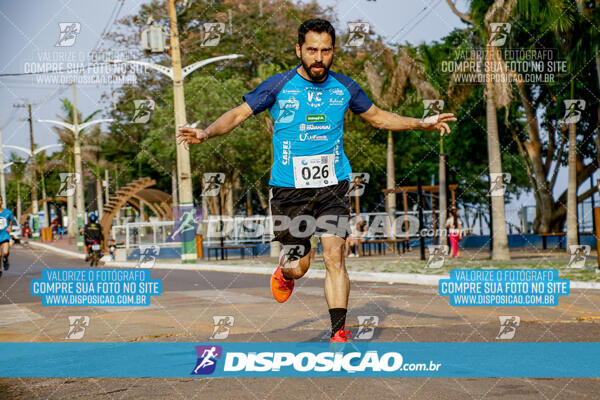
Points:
(128, 308)
(12, 314)
(223, 296)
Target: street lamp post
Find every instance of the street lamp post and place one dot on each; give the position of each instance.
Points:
(76, 128)
(177, 75)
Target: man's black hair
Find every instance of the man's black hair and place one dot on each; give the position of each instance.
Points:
(316, 25)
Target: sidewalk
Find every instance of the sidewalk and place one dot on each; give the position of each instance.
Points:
(64, 246)
(263, 266)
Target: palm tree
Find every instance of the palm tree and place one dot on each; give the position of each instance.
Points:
(388, 87)
(496, 95)
(66, 137)
(18, 172)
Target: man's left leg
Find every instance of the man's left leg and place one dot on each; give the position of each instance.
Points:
(337, 283)
(5, 254)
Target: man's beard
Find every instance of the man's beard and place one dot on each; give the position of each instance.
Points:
(317, 76)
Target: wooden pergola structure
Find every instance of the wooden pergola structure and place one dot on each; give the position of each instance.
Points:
(137, 193)
(29, 210)
(425, 188)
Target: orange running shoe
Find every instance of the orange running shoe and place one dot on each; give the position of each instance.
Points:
(341, 336)
(280, 286)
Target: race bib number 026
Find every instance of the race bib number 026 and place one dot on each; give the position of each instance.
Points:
(314, 171)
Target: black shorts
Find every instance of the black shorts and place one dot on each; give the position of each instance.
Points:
(300, 213)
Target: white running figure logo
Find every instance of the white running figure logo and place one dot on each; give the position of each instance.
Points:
(206, 362)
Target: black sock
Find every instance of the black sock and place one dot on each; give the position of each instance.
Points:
(338, 319)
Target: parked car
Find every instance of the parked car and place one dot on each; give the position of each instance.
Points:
(15, 233)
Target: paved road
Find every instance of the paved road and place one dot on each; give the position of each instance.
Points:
(184, 313)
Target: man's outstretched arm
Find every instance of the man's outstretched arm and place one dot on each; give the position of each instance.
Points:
(225, 123)
(382, 119)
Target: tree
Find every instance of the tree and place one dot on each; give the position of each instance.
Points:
(496, 95)
(67, 138)
(18, 173)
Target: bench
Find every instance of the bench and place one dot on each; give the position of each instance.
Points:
(381, 242)
(225, 249)
(545, 235)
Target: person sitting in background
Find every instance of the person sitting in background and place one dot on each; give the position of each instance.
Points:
(358, 232)
(112, 248)
(454, 226)
(26, 232)
(54, 226)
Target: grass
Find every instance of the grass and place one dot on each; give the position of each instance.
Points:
(471, 259)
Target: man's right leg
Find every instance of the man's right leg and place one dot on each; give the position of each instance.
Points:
(287, 204)
(296, 270)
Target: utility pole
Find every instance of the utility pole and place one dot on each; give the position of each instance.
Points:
(35, 223)
(184, 177)
(2, 181)
(35, 228)
(183, 197)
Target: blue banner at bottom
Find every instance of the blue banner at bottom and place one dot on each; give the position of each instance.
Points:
(373, 359)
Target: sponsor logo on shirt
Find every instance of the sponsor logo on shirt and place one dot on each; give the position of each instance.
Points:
(316, 118)
(287, 110)
(314, 97)
(285, 158)
(291, 91)
(306, 127)
(305, 136)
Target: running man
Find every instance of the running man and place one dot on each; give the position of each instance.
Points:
(6, 222)
(310, 174)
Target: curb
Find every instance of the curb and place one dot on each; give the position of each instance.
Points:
(316, 273)
(357, 276)
(57, 250)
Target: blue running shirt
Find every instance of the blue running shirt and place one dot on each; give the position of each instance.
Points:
(5, 217)
(309, 125)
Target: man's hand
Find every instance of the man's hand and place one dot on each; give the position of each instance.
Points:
(189, 136)
(441, 124)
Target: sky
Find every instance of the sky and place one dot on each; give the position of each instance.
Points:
(30, 32)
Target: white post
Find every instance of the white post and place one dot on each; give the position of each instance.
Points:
(106, 188)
